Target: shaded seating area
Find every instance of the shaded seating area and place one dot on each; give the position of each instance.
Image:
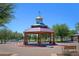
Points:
(39, 32)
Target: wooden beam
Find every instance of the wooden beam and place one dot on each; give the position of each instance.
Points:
(50, 39)
(25, 39)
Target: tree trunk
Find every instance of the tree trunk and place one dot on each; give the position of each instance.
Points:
(61, 38)
(1, 41)
(5, 41)
(78, 39)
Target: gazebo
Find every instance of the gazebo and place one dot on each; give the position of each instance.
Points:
(39, 28)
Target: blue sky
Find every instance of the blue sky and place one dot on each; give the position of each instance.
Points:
(25, 14)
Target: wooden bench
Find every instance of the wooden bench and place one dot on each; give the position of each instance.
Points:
(69, 49)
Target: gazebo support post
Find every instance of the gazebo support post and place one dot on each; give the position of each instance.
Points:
(39, 40)
(25, 39)
(53, 39)
(50, 39)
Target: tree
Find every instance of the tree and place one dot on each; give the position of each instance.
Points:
(71, 34)
(16, 36)
(61, 30)
(77, 30)
(4, 35)
(77, 27)
(6, 10)
(44, 37)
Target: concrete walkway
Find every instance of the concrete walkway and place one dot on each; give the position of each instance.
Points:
(32, 51)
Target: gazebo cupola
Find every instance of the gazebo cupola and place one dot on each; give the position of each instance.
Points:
(39, 19)
(39, 22)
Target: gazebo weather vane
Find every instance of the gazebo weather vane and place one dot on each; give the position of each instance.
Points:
(39, 13)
